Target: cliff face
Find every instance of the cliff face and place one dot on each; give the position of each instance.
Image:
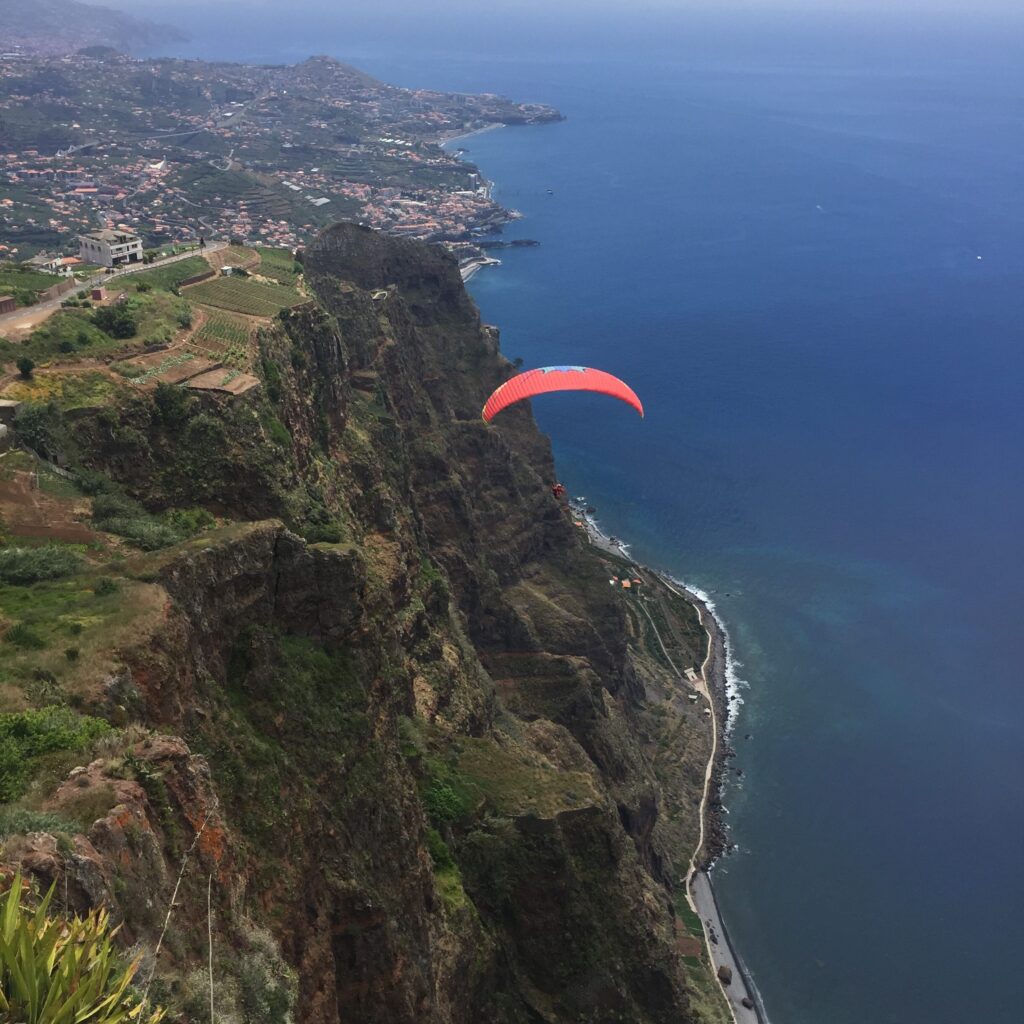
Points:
(407, 733)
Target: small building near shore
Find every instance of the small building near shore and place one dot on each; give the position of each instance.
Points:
(691, 674)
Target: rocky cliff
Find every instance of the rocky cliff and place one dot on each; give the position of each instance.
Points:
(389, 708)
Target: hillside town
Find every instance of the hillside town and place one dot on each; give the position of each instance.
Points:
(172, 150)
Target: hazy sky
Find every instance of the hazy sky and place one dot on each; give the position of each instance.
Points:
(439, 7)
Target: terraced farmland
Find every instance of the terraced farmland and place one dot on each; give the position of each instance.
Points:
(278, 264)
(226, 336)
(237, 256)
(240, 295)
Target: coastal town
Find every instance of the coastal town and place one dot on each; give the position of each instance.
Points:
(174, 150)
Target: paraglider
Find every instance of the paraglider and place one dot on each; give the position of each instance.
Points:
(558, 378)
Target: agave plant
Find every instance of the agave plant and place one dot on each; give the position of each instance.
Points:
(63, 971)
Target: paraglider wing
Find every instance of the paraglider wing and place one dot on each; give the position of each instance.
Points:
(558, 378)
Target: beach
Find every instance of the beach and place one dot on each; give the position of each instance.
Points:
(447, 140)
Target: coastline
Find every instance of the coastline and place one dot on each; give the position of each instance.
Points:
(469, 269)
(447, 140)
(721, 683)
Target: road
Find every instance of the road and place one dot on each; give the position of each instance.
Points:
(721, 950)
(30, 316)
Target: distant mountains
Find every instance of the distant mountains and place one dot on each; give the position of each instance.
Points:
(64, 26)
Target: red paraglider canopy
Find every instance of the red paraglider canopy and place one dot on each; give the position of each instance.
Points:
(558, 378)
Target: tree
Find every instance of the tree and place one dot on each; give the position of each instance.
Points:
(173, 405)
(54, 969)
(25, 366)
(117, 321)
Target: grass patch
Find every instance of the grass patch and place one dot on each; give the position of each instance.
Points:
(447, 877)
(88, 806)
(240, 295)
(14, 279)
(19, 821)
(512, 784)
(64, 327)
(168, 278)
(87, 390)
(78, 612)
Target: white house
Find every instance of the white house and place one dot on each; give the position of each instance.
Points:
(110, 248)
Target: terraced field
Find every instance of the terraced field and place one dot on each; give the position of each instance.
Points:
(278, 264)
(237, 256)
(239, 295)
(227, 336)
(223, 329)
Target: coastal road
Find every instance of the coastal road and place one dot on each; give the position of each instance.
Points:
(721, 951)
(30, 316)
(699, 893)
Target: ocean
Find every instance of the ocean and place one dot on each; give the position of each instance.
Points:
(801, 241)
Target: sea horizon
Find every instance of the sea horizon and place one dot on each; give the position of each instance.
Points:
(804, 252)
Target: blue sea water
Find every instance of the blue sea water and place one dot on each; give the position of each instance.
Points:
(802, 242)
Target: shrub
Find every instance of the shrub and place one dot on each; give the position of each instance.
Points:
(444, 802)
(82, 339)
(116, 321)
(25, 366)
(438, 849)
(278, 432)
(109, 506)
(71, 653)
(185, 318)
(30, 565)
(118, 514)
(25, 637)
(189, 521)
(143, 286)
(127, 370)
(104, 586)
(28, 736)
(54, 969)
(174, 405)
(143, 531)
(272, 379)
(66, 346)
